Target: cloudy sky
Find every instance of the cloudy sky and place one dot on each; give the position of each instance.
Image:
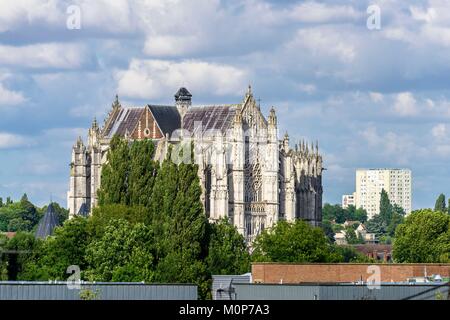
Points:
(373, 98)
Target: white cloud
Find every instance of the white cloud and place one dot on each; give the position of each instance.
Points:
(405, 104)
(10, 98)
(323, 42)
(48, 55)
(307, 88)
(376, 96)
(314, 12)
(440, 131)
(10, 140)
(147, 79)
(28, 12)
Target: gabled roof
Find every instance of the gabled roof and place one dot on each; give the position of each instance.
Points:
(48, 223)
(167, 117)
(210, 117)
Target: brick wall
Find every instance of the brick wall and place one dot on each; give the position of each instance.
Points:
(341, 272)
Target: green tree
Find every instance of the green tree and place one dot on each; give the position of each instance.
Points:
(183, 243)
(328, 230)
(293, 242)
(424, 237)
(1, 202)
(440, 203)
(20, 251)
(385, 206)
(352, 237)
(65, 248)
(228, 252)
(125, 252)
(142, 172)
(114, 180)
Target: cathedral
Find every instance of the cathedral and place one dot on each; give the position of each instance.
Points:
(246, 173)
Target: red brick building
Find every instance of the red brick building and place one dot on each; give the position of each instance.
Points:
(342, 272)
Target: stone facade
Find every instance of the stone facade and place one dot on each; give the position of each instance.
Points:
(246, 173)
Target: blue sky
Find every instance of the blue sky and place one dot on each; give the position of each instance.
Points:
(373, 98)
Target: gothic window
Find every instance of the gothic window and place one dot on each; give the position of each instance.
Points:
(252, 173)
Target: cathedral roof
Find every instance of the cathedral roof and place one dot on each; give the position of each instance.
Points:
(167, 117)
(125, 121)
(211, 117)
(48, 223)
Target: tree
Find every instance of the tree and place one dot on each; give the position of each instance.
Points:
(1, 202)
(390, 216)
(182, 236)
(424, 237)
(385, 207)
(114, 180)
(352, 237)
(294, 241)
(142, 172)
(20, 251)
(228, 252)
(67, 247)
(125, 252)
(440, 203)
(328, 230)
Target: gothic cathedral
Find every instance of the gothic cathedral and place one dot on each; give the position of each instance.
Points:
(246, 173)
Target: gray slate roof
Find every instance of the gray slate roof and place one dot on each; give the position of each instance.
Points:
(126, 121)
(167, 118)
(211, 117)
(48, 223)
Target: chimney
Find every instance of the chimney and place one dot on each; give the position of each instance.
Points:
(183, 101)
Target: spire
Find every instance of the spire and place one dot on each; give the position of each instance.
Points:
(272, 117)
(48, 223)
(317, 147)
(249, 90)
(95, 124)
(116, 103)
(79, 142)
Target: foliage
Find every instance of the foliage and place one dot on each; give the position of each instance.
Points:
(293, 242)
(124, 253)
(328, 230)
(228, 252)
(19, 252)
(67, 247)
(385, 223)
(340, 215)
(114, 179)
(24, 216)
(352, 237)
(89, 294)
(424, 237)
(440, 203)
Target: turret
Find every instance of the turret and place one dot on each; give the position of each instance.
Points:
(183, 100)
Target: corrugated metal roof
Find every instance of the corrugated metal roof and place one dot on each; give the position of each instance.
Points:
(48, 223)
(210, 117)
(30, 290)
(223, 285)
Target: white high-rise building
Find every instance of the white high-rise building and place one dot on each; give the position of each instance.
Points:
(370, 182)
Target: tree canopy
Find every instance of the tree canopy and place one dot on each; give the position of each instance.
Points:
(424, 237)
(440, 203)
